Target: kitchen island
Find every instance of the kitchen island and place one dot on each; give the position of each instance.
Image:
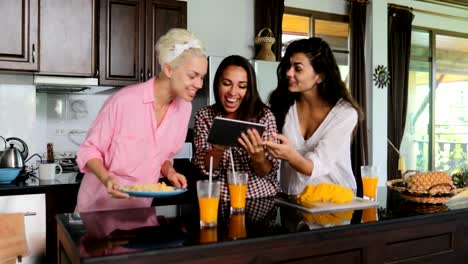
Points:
(400, 232)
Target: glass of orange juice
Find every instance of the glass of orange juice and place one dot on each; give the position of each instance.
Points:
(208, 235)
(237, 226)
(237, 190)
(369, 215)
(370, 180)
(208, 201)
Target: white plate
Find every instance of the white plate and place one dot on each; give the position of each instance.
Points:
(356, 204)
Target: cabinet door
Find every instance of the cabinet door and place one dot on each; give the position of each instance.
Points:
(19, 30)
(121, 42)
(161, 15)
(34, 222)
(67, 33)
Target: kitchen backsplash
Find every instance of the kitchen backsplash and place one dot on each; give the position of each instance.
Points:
(39, 118)
(61, 119)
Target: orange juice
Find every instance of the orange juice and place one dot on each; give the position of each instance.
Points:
(369, 215)
(208, 235)
(208, 210)
(238, 192)
(237, 226)
(370, 186)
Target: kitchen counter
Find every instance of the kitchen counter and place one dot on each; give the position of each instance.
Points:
(34, 185)
(60, 197)
(398, 232)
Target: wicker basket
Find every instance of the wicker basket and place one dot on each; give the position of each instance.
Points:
(398, 185)
(422, 208)
(422, 196)
(265, 43)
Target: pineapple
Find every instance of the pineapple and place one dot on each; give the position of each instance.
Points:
(460, 178)
(425, 181)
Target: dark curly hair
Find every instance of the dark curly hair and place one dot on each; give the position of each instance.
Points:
(331, 89)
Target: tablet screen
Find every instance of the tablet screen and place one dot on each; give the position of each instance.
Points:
(226, 131)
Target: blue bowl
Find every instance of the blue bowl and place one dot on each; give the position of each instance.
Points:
(7, 175)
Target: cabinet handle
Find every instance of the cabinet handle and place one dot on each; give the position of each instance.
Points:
(149, 74)
(97, 73)
(141, 74)
(33, 53)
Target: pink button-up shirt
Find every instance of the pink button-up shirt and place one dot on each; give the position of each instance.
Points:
(132, 146)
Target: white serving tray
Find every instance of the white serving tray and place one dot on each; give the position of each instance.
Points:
(356, 204)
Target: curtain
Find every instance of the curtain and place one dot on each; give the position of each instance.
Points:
(399, 44)
(357, 82)
(269, 14)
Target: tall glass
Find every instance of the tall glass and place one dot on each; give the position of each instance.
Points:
(208, 201)
(369, 215)
(237, 190)
(370, 180)
(237, 228)
(208, 235)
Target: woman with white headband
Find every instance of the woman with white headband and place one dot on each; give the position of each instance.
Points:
(140, 128)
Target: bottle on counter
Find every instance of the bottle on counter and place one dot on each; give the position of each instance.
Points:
(50, 153)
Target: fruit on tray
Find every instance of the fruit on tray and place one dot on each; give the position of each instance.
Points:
(325, 192)
(431, 181)
(326, 219)
(460, 178)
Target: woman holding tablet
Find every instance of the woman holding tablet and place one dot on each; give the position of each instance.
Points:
(141, 127)
(236, 97)
(316, 116)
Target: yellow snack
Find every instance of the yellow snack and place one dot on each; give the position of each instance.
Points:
(326, 219)
(148, 187)
(325, 192)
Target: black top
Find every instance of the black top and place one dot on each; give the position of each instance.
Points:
(111, 233)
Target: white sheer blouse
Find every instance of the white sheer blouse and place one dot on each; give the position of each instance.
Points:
(329, 148)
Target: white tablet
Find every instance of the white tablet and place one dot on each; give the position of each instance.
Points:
(226, 131)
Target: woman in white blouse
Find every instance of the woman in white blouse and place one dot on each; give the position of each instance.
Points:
(316, 116)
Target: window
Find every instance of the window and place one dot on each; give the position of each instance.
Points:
(332, 28)
(436, 132)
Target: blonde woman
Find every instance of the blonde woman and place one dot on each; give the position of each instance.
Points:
(141, 127)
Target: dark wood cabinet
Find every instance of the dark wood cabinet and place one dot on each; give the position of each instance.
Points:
(19, 29)
(128, 31)
(68, 37)
(121, 42)
(161, 15)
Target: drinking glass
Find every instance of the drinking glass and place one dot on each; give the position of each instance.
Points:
(208, 201)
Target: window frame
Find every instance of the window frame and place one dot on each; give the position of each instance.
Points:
(312, 14)
(432, 75)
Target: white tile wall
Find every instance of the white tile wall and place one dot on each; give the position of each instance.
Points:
(18, 112)
(39, 118)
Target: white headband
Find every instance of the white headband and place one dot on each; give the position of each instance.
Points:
(180, 48)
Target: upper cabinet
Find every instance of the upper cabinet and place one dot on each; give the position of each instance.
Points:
(19, 29)
(121, 42)
(67, 33)
(128, 31)
(161, 15)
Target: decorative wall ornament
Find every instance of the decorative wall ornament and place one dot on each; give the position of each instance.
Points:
(381, 76)
(265, 43)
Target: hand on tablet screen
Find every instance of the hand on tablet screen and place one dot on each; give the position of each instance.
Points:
(251, 141)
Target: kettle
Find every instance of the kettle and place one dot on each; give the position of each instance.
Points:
(12, 157)
(4, 142)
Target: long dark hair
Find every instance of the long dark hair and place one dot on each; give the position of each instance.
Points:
(331, 89)
(252, 107)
